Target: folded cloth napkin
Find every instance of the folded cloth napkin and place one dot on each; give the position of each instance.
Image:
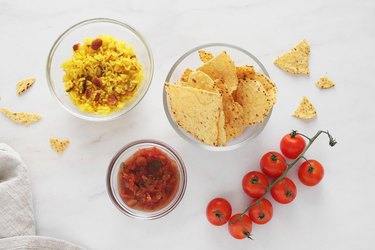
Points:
(17, 225)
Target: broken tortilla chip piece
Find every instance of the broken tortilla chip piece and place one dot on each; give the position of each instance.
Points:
(253, 98)
(233, 112)
(296, 61)
(185, 76)
(24, 85)
(196, 111)
(205, 56)
(59, 145)
(305, 109)
(268, 85)
(21, 117)
(245, 72)
(200, 80)
(222, 67)
(324, 83)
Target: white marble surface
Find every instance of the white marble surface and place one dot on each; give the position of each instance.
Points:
(69, 190)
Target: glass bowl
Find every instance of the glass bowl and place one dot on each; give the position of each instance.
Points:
(62, 51)
(123, 155)
(191, 60)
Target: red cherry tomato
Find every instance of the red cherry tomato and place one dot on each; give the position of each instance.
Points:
(241, 228)
(273, 164)
(284, 191)
(292, 145)
(255, 184)
(311, 172)
(261, 212)
(218, 211)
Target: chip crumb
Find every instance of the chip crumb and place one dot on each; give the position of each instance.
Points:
(296, 61)
(24, 85)
(59, 145)
(324, 83)
(205, 56)
(21, 117)
(305, 110)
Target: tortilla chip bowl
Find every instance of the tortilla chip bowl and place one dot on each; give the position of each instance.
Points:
(192, 100)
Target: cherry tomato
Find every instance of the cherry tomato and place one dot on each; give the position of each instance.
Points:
(273, 164)
(241, 228)
(284, 191)
(255, 184)
(261, 212)
(292, 145)
(311, 172)
(218, 211)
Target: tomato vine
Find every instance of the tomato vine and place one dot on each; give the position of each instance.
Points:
(332, 142)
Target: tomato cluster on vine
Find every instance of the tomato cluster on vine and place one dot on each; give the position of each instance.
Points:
(272, 179)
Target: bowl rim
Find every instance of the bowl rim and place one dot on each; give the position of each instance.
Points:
(178, 129)
(88, 22)
(179, 194)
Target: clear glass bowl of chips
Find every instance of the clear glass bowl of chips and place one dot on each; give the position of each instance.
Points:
(191, 60)
(63, 50)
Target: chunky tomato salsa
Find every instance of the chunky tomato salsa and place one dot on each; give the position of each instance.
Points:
(148, 180)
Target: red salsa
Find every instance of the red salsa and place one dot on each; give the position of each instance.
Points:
(148, 180)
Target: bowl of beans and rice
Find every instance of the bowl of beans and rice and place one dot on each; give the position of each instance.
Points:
(99, 69)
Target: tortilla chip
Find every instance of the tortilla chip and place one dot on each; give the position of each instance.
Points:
(305, 110)
(268, 85)
(59, 145)
(234, 125)
(200, 80)
(222, 136)
(196, 111)
(205, 56)
(233, 112)
(296, 61)
(185, 76)
(222, 67)
(244, 72)
(24, 85)
(253, 98)
(324, 83)
(21, 117)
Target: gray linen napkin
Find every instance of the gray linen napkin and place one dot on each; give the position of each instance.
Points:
(17, 227)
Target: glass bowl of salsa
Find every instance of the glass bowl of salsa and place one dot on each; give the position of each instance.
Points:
(146, 179)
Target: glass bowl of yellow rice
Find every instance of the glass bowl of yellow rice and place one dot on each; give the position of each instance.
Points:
(99, 69)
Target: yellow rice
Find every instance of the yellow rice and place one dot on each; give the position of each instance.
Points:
(117, 67)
